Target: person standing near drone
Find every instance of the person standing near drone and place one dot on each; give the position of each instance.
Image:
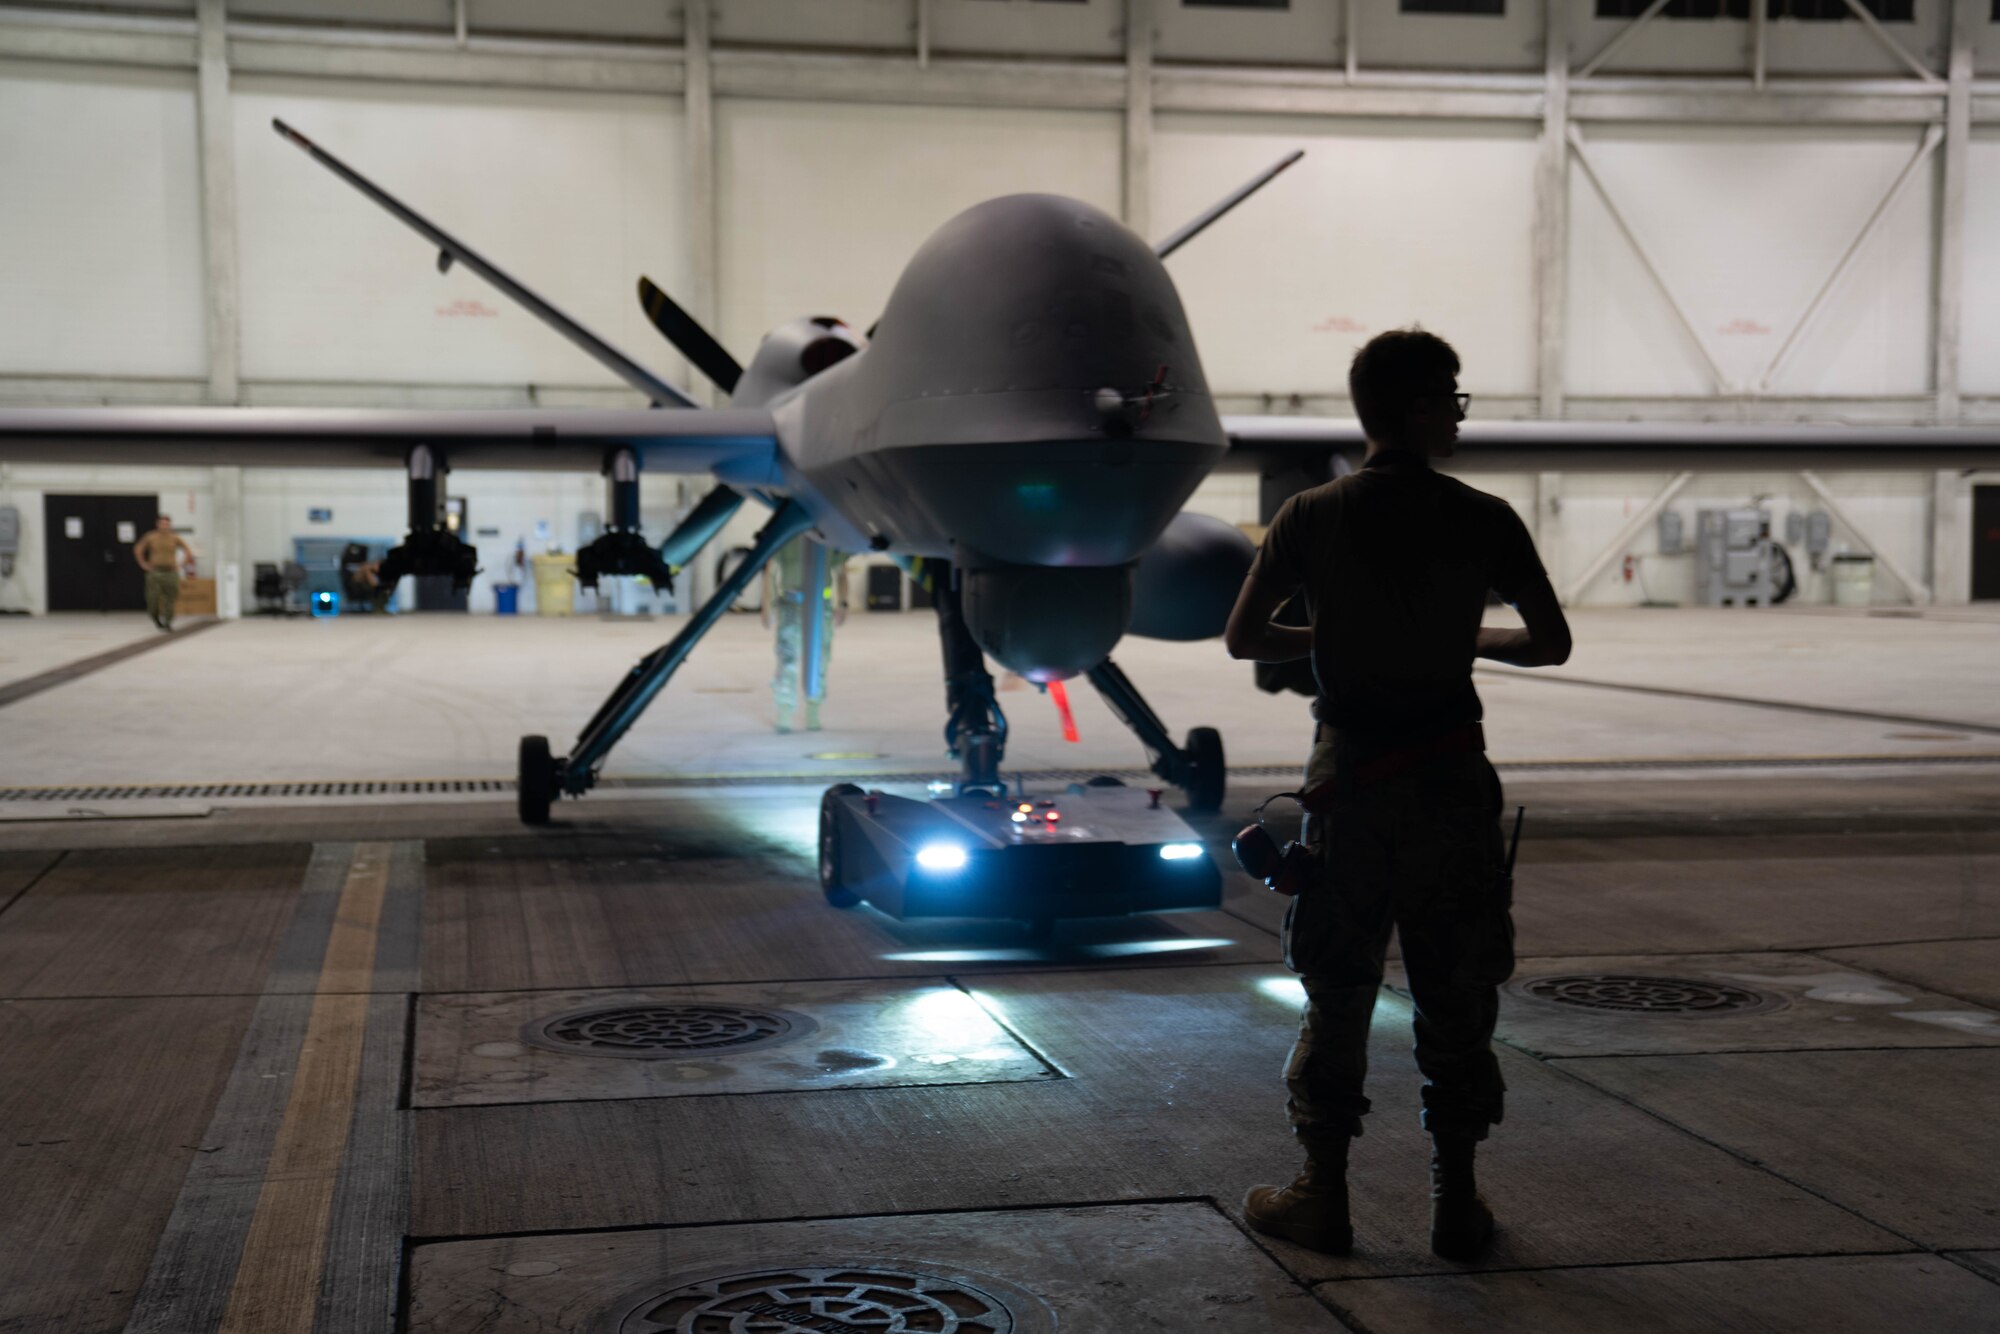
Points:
(1394, 562)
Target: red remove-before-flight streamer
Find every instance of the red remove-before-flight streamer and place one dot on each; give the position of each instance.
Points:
(1061, 697)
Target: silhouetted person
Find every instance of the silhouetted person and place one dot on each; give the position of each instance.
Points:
(1395, 561)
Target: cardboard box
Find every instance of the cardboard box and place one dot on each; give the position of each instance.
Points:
(197, 598)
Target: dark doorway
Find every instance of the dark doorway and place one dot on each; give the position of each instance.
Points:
(1985, 543)
(89, 545)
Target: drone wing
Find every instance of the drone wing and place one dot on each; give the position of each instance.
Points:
(736, 445)
(452, 250)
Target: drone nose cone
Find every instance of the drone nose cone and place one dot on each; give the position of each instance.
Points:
(1032, 393)
(1055, 315)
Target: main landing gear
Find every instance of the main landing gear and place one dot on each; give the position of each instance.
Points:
(543, 776)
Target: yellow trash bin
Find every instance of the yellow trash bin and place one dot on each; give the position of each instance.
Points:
(555, 586)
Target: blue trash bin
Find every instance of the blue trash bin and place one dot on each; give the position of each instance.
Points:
(506, 599)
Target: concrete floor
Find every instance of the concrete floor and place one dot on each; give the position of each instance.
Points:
(32, 645)
(450, 697)
(316, 1065)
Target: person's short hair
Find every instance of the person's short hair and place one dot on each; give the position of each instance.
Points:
(1389, 371)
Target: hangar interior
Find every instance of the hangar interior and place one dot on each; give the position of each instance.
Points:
(301, 1021)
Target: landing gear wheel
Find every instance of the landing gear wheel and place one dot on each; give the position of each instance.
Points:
(830, 882)
(1206, 775)
(535, 784)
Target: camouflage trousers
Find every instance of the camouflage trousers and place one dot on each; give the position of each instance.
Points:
(792, 677)
(1418, 853)
(163, 591)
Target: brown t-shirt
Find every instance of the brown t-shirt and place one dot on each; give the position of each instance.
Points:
(161, 550)
(1395, 561)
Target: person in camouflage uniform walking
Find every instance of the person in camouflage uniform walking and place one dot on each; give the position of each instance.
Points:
(159, 554)
(1394, 562)
(804, 593)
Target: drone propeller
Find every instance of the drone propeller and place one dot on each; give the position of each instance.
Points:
(694, 342)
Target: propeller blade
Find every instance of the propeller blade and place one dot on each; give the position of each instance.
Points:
(695, 343)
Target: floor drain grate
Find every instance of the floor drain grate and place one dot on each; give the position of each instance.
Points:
(335, 787)
(1626, 993)
(835, 1300)
(661, 1030)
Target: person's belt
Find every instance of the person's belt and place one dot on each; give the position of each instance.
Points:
(1387, 764)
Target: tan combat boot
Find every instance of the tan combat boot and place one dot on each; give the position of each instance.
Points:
(1461, 1224)
(1312, 1211)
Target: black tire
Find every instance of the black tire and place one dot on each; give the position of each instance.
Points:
(830, 882)
(1207, 776)
(1104, 780)
(535, 782)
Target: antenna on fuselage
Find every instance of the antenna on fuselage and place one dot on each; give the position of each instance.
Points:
(1241, 193)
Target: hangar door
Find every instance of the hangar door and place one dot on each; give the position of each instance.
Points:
(89, 544)
(1985, 543)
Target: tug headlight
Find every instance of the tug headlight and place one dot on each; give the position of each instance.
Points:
(1179, 852)
(941, 856)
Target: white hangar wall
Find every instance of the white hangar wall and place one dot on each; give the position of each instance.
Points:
(574, 194)
(822, 204)
(769, 158)
(1384, 224)
(1743, 225)
(101, 266)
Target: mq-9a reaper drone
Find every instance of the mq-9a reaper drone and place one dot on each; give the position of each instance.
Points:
(1019, 429)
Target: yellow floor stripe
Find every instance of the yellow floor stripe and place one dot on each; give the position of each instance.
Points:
(276, 1290)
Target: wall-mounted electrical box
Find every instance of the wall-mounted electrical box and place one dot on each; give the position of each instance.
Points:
(1672, 533)
(1734, 564)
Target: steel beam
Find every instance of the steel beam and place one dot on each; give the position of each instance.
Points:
(1760, 42)
(1626, 536)
(1932, 137)
(1890, 44)
(482, 62)
(1737, 102)
(1331, 93)
(1919, 591)
(1948, 319)
(1950, 548)
(704, 225)
(1552, 211)
(813, 77)
(1620, 38)
(1138, 143)
(218, 203)
(98, 40)
(1645, 260)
